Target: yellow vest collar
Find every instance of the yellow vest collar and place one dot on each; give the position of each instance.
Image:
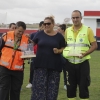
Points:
(72, 28)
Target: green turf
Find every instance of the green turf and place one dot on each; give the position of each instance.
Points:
(94, 87)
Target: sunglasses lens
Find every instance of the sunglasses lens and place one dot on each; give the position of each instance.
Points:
(47, 24)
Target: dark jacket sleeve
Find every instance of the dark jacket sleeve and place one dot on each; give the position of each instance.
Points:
(2, 43)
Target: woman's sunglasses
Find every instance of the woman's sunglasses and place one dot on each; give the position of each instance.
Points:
(46, 24)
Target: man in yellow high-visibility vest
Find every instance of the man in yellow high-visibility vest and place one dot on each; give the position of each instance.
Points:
(80, 43)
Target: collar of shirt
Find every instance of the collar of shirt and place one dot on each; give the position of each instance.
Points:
(72, 29)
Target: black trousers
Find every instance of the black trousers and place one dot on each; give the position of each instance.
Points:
(78, 75)
(64, 70)
(10, 84)
(31, 70)
(64, 75)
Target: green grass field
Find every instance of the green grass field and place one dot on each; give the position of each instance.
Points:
(94, 87)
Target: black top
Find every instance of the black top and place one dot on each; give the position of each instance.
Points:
(45, 57)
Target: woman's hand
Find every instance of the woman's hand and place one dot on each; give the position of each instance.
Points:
(58, 51)
(55, 50)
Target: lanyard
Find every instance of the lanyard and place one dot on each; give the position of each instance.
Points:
(16, 44)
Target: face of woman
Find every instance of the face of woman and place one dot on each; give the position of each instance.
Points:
(19, 32)
(48, 25)
(60, 30)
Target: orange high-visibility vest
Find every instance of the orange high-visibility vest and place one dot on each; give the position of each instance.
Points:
(11, 58)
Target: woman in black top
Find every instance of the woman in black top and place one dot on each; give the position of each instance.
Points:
(48, 62)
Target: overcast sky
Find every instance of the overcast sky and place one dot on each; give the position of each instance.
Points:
(33, 11)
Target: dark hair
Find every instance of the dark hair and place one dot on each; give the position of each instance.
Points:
(40, 24)
(78, 11)
(62, 26)
(11, 24)
(50, 18)
(22, 24)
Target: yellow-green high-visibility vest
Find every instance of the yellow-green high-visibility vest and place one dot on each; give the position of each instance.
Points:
(81, 43)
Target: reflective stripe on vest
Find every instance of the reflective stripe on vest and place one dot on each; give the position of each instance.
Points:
(7, 64)
(4, 63)
(11, 44)
(18, 67)
(76, 60)
(78, 45)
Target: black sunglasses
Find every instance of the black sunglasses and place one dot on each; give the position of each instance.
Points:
(75, 17)
(46, 24)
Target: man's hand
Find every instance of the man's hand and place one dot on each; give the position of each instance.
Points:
(26, 34)
(81, 55)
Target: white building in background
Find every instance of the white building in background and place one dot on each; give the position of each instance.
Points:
(92, 19)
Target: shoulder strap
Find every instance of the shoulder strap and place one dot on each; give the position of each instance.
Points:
(4, 34)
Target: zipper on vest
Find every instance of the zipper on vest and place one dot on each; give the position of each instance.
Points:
(74, 48)
(13, 56)
(15, 49)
